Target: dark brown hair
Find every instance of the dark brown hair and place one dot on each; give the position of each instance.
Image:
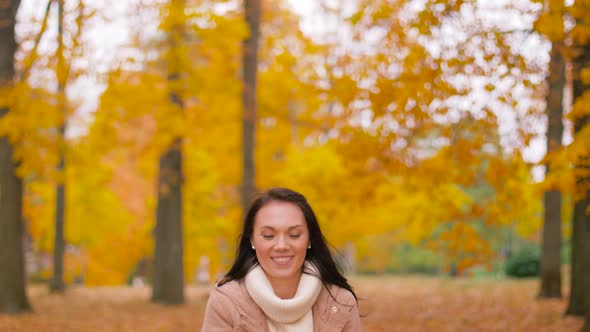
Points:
(319, 254)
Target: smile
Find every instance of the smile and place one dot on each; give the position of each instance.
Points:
(282, 260)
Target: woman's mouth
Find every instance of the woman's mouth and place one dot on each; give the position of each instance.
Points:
(282, 260)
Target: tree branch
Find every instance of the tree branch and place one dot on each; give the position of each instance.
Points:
(30, 59)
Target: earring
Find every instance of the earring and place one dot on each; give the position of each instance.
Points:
(253, 247)
(309, 246)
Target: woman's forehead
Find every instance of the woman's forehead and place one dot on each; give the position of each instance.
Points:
(279, 215)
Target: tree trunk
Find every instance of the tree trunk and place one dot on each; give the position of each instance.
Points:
(13, 297)
(580, 276)
(249, 71)
(551, 249)
(168, 278)
(57, 283)
(579, 302)
(168, 274)
(586, 327)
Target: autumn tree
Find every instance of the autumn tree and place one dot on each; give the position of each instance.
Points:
(13, 296)
(550, 286)
(69, 32)
(136, 122)
(25, 128)
(290, 103)
(579, 302)
(252, 10)
(57, 283)
(41, 139)
(168, 275)
(427, 89)
(399, 126)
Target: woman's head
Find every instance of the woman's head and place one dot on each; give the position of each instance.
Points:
(281, 225)
(280, 239)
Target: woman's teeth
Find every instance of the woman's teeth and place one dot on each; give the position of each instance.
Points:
(282, 260)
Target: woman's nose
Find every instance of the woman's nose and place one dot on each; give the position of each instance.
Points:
(281, 242)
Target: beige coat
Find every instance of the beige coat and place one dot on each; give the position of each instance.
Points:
(230, 308)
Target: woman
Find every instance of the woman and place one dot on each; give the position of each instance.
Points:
(284, 277)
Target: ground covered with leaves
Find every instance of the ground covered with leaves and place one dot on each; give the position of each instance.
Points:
(387, 303)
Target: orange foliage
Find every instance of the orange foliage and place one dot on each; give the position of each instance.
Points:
(385, 134)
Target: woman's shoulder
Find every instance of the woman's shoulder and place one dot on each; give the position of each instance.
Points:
(230, 289)
(232, 296)
(334, 293)
(233, 291)
(221, 313)
(227, 286)
(343, 295)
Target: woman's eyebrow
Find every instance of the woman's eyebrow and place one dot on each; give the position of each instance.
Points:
(296, 226)
(290, 228)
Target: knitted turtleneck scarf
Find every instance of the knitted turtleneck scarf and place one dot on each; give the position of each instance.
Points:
(285, 315)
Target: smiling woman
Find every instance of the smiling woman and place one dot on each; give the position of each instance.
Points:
(281, 240)
(284, 277)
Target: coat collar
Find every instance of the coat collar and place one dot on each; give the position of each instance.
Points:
(330, 312)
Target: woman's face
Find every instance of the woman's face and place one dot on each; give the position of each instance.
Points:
(280, 238)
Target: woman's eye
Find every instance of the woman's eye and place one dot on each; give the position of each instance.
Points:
(268, 237)
(295, 236)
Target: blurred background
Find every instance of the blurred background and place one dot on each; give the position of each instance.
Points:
(445, 138)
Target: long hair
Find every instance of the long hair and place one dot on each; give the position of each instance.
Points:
(319, 254)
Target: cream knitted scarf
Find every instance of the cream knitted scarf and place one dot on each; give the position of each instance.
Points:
(285, 315)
